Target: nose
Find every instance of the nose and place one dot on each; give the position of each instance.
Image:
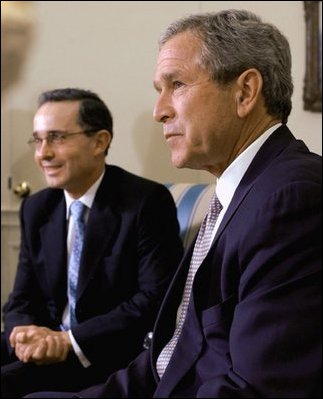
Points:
(163, 109)
(44, 150)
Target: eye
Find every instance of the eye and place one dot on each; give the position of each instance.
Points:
(57, 137)
(177, 84)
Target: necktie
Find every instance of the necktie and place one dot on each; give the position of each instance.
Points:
(201, 248)
(77, 213)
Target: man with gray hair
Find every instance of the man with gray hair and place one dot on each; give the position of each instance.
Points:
(242, 317)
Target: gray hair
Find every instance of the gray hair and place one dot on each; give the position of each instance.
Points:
(233, 41)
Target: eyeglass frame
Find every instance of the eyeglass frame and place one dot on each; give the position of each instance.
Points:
(37, 142)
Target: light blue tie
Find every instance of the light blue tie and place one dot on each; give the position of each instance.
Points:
(77, 213)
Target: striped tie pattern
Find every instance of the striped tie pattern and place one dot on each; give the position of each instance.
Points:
(77, 213)
(201, 248)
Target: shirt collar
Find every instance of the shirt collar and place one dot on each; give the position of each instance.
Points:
(231, 177)
(87, 198)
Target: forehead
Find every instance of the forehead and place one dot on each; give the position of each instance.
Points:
(182, 50)
(56, 115)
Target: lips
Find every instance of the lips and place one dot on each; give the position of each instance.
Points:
(50, 168)
(171, 135)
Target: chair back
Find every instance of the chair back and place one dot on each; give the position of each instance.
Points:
(192, 202)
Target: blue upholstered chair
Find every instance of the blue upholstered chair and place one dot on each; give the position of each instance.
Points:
(192, 202)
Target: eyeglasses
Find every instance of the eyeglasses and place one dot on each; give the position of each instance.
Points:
(55, 138)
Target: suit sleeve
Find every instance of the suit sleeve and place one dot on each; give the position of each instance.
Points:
(27, 303)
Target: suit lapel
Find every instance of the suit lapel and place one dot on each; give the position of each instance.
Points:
(53, 240)
(272, 147)
(100, 232)
(185, 354)
(165, 323)
(101, 228)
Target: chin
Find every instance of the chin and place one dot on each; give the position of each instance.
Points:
(54, 183)
(179, 161)
(178, 164)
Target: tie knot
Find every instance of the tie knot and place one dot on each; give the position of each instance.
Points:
(77, 210)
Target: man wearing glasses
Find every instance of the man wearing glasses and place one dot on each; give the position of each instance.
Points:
(88, 287)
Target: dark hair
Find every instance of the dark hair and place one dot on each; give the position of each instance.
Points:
(93, 115)
(235, 40)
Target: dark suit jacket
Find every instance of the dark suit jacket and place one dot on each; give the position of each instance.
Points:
(253, 327)
(130, 253)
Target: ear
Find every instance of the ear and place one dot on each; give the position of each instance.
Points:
(103, 140)
(249, 91)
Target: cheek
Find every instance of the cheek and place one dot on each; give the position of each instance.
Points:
(80, 161)
(199, 112)
(199, 130)
(37, 159)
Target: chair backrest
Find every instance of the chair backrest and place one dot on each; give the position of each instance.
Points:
(192, 202)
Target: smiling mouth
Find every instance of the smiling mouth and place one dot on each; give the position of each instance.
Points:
(51, 169)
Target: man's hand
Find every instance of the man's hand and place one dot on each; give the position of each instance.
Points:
(40, 345)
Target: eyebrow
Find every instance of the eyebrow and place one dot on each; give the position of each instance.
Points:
(49, 132)
(167, 76)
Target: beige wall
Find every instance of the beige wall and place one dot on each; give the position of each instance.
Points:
(110, 47)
